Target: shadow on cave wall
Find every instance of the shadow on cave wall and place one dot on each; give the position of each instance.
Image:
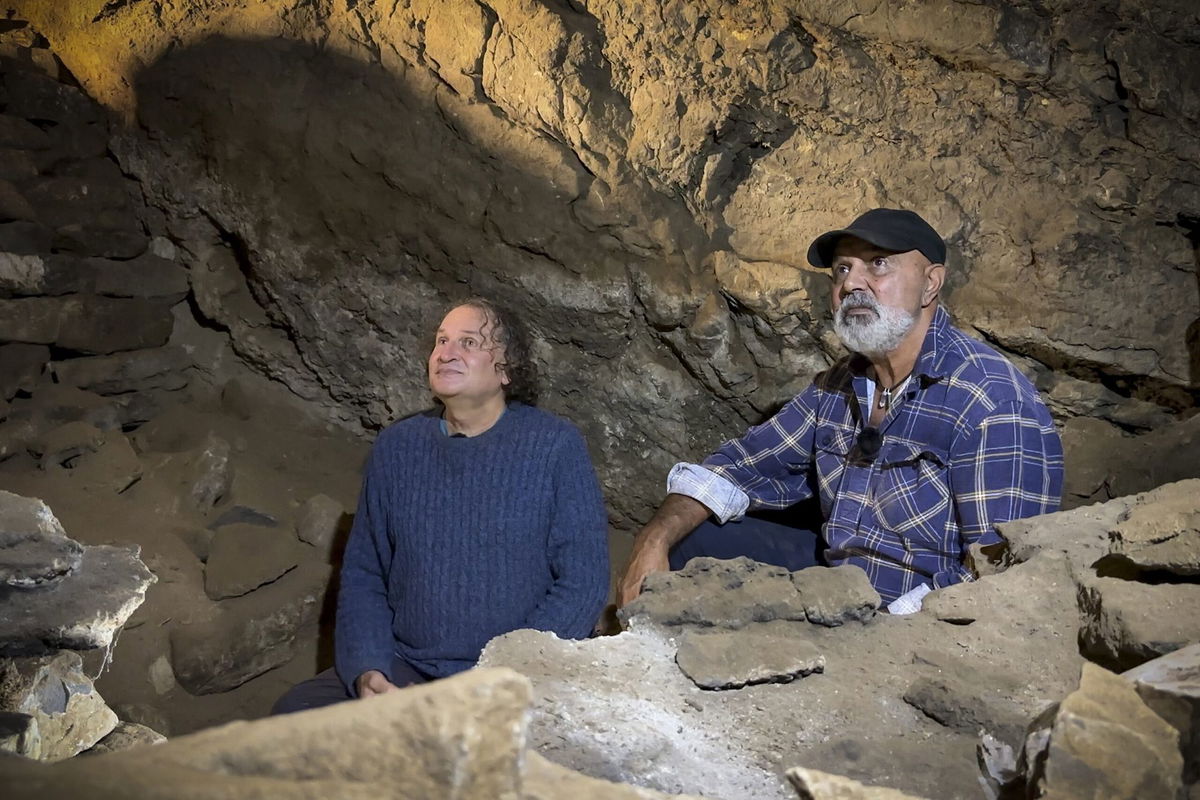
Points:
(362, 202)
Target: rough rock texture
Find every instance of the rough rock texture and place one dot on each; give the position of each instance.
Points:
(729, 593)
(321, 523)
(125, 736)
(1164, 532)
(1130, 622)
(462, 738)
(641, 179)
(836, 595)
(812, 784)
(1104, 742)
(83, 611)
(719, 659)
(69, 715)
(1170, 686)
(34, 548)
(248, 635)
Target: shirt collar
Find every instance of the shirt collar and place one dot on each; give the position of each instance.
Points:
(929, 366)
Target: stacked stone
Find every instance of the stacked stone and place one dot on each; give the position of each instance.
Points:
(86, 292)
(57, 597)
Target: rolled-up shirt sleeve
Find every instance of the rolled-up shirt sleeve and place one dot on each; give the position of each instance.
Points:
(725, 500)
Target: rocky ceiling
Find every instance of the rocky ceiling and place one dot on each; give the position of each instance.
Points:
(642, 179)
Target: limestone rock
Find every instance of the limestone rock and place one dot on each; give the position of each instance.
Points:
(239, 514)
(1162, 532)
(147, 275)
(138, 370)
(249, 635)
(1104, 742)
(124, 736)
(32, 320)
(41, 97)
(93, 324)
(53, 690)
(20, 367)
(26, 238)
(1126, 622)
(725, 593)
(1105, 462)
(723, 659)
(320, 523)
(21, 134)
(111, 469)
(816, 785)
(1169, 686)
(83, 610)
(243, 557)
(545, 780)
(21, 274)
(462, 738)
(832, 596)
(12, 205)
(34, 548)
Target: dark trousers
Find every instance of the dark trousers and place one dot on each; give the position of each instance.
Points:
(774, 538)
(327, 689)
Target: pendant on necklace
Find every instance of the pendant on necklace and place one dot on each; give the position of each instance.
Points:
(885, 398)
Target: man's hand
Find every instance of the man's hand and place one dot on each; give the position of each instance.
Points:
(372, 683)
(676, 518)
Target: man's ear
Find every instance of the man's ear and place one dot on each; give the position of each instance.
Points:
(935, 276)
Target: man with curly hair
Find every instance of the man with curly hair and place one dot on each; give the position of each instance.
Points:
(479, 517)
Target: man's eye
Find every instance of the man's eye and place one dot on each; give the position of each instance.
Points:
(468, 343)
(879, 263)
(841, 269)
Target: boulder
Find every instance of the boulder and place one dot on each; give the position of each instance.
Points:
(1169, 686)
(248, 635)
(147, 275)
(462, 738)
(125, 736)
(93, 324)
(111, 469)
(119, 373)
(13, 206)
(1103, 741)
(16, 165)
(53, 690)
(120, 238)
(243, 557)
(1162, 532)
(20, 367)
(1127, 623)
(708, 591)
(22, 274)
(762, 653)
(83, 610)
(32, 320)
(34, 548)
(35, 96)
(832, 596)
(21, 134)
(320, 523)
(813, 784)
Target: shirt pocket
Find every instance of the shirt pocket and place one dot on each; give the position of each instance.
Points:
(912, 497)
(833, 446)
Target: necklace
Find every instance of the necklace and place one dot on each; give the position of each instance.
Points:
(885, 395)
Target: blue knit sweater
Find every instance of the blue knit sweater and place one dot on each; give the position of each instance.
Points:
(457, 540)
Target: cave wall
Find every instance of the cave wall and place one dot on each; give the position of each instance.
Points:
(642, 181)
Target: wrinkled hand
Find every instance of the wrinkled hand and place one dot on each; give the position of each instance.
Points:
(645, 559)
(372, 683)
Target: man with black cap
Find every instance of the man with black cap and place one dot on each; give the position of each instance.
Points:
(914, 445)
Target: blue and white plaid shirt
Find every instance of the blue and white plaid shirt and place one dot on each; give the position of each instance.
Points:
(968, 444)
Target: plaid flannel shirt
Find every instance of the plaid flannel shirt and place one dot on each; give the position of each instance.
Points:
(968, 444)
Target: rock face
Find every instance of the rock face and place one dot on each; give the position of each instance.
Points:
(462, 739)
(727, 660)
(641, 180)
(60, 701)
(1169, 686)
(34, 549)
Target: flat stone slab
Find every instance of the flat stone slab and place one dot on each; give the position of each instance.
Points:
(34, 548)
(1163, 531)
(724, 659)
(1127, 622)
(833, 596)
(727, 593)
(813, 784)
(1170, 685)
(81, 611)
(243, 557)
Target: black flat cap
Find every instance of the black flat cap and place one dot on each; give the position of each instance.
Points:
(889, 228)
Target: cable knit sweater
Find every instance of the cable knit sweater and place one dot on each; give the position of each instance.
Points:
(457, 540)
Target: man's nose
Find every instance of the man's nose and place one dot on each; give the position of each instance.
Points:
(854, 279)
(446, 352)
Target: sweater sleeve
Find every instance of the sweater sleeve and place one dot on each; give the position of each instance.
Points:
(578, 546)
(363, 631)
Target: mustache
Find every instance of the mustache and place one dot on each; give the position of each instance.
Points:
(859, 300)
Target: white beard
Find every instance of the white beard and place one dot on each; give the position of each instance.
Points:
(871, 336)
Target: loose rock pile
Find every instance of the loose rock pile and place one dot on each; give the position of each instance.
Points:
(57, 597)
